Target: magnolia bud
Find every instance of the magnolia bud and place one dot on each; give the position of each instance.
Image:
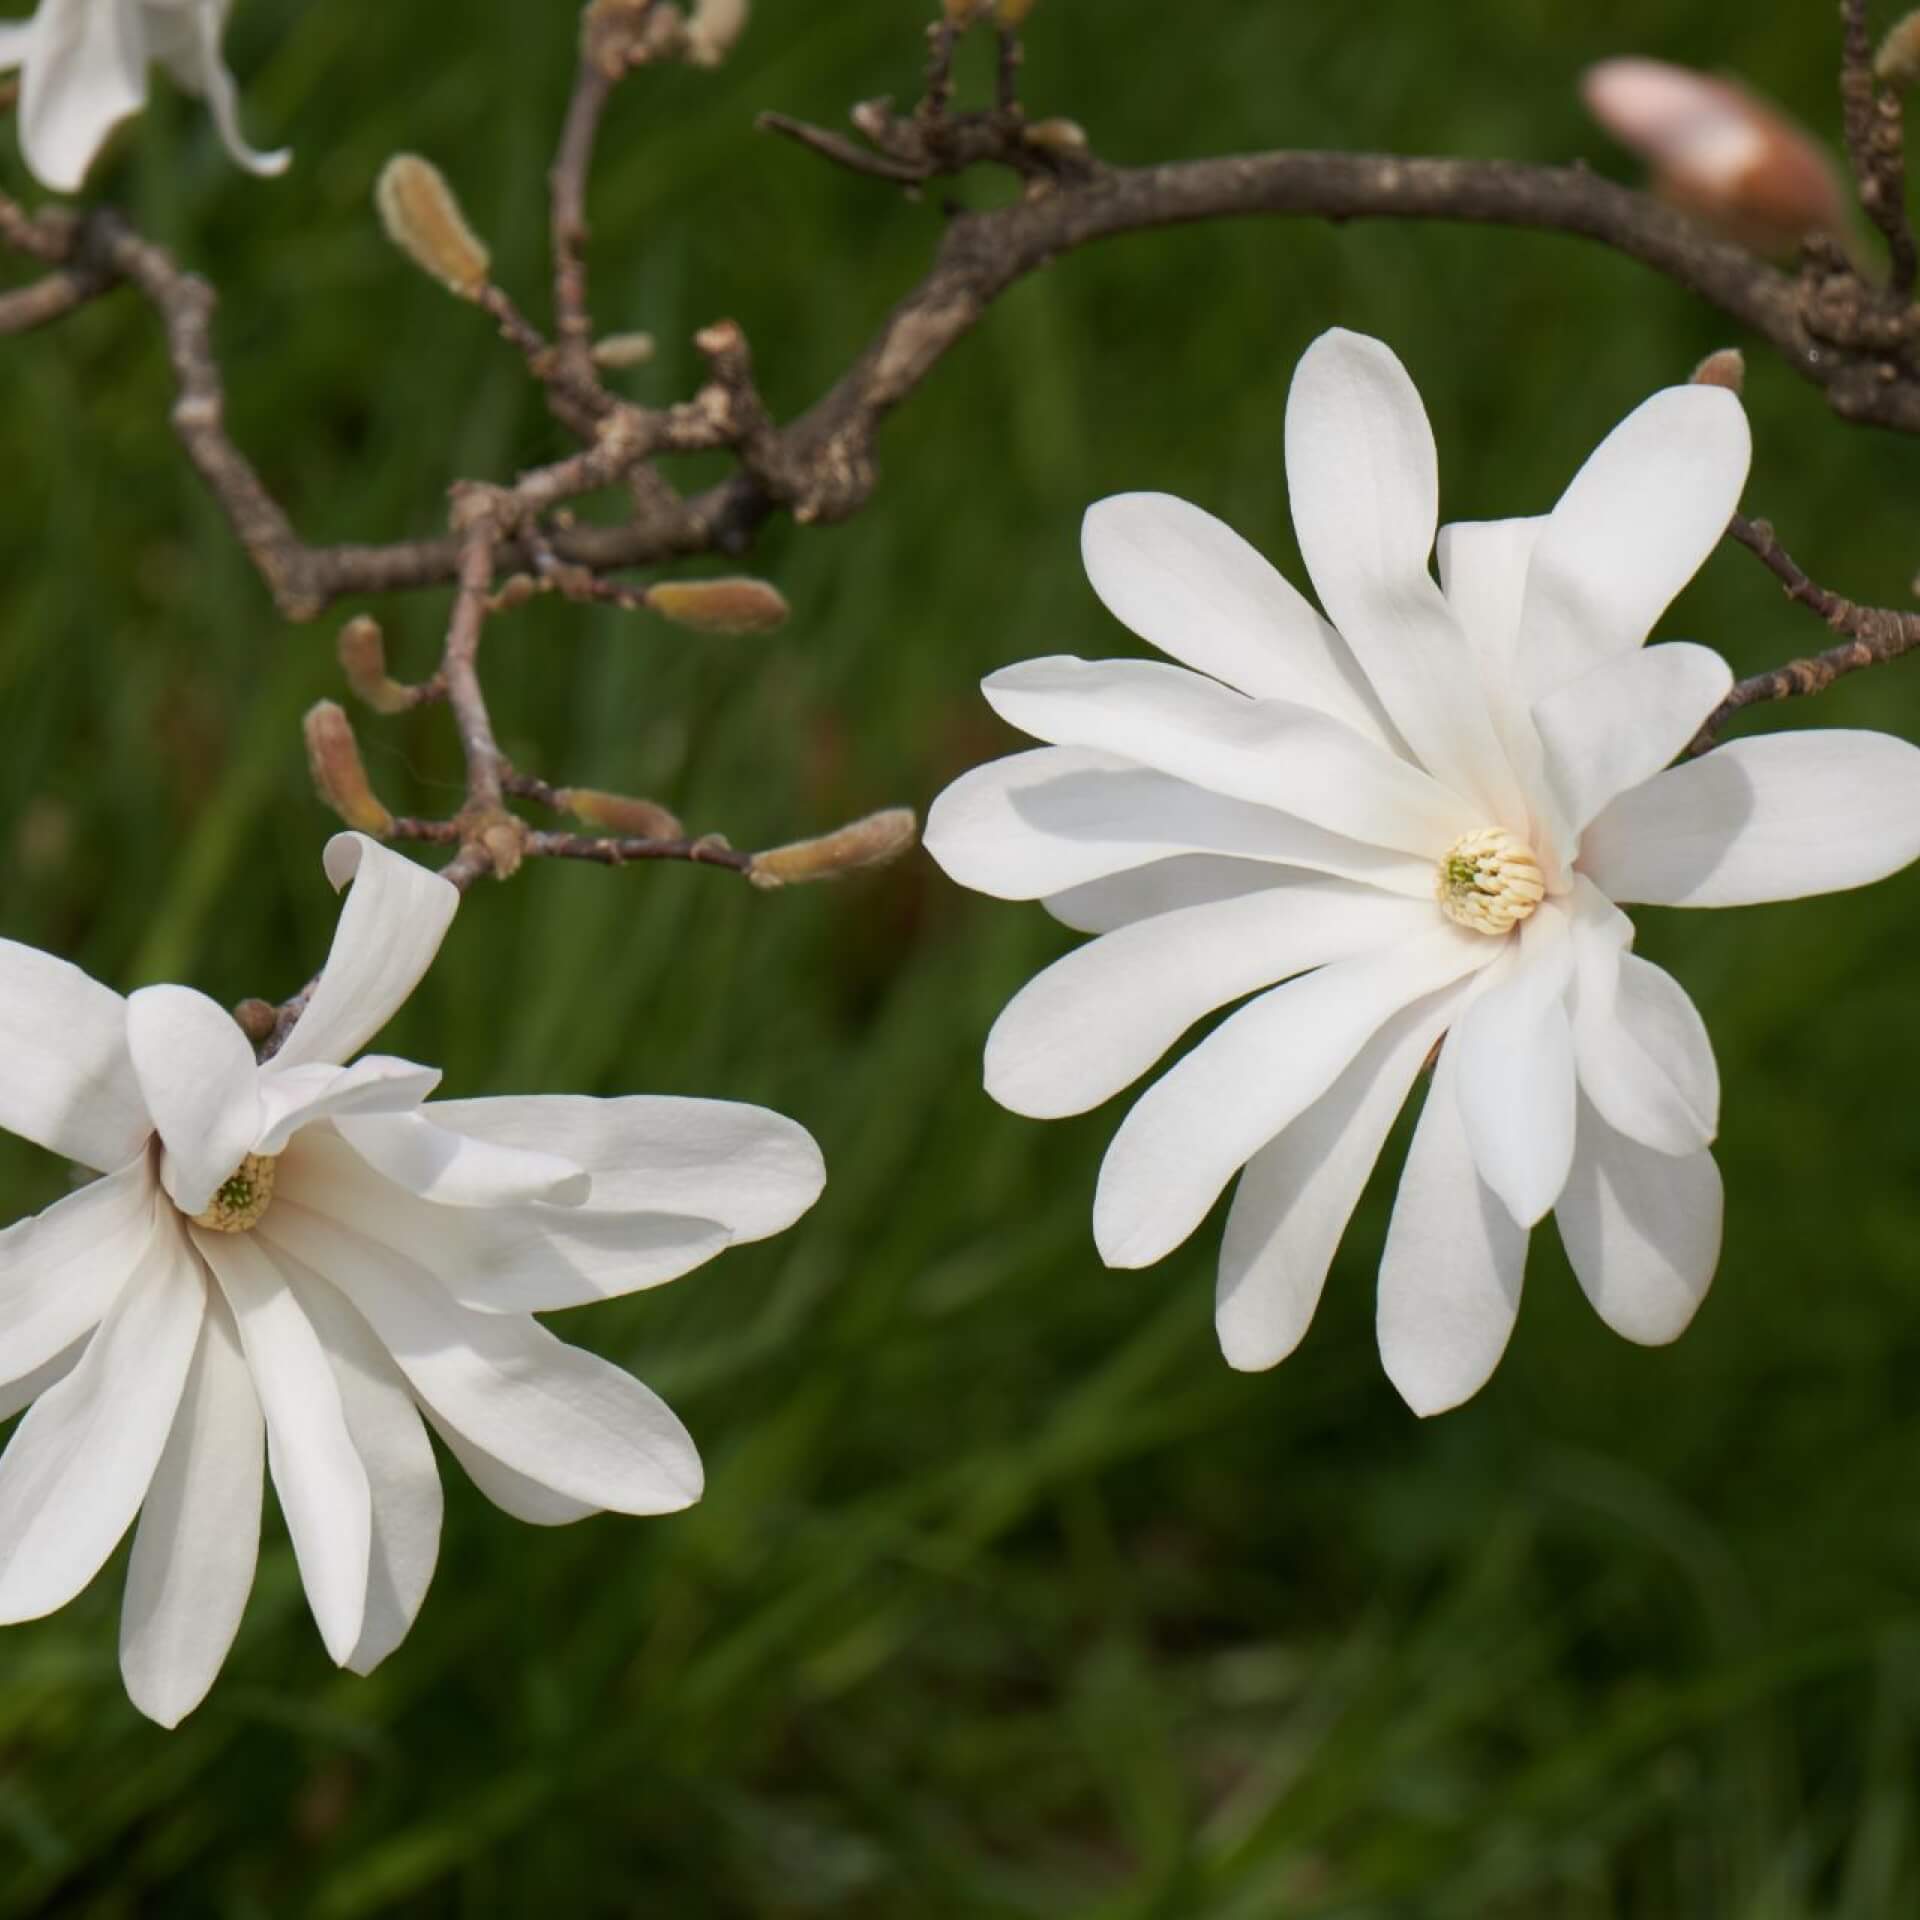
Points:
(960, 13)
(424, 221)
(714, 28)
(1897, 64)
(1013, 13)
(1726, 368)
(1057, 136)
(257, 1019)
(871, 842)
(333, 755)
(363, 659)
(1720, 152)
(718, 606)
(619, 351)
(618, 813)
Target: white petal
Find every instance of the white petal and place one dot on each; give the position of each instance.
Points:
(520, 1259)
(62, 1269)
(16, 41)
(754, 1171)
(1299, 1191)
(1161, 886)
(316, 1468)
(199, 1533)
(86, 72)
(1363, 483)
(1619, 725)
(1483, 573)
(1630, 531)
(1271, 752)
(513, 1493)
(1189, 585)
(1641, 1229)
(1777, 818)
(80, 1462)
(1640, 1046)
(1193, 1129)
(558, 1415)
(1450, 1276)
(201, 1085)
(390, 928)
(1057, 817)
(1513, 1070)
(1099, 1018)
(20, 1393)
(190, 46)
(402, 1479)
(66, 1080)
(458, 1170)
(295, 1097)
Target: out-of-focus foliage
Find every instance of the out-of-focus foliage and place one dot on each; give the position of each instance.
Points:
(1007, 1597)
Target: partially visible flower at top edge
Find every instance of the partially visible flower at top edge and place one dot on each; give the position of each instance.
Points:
(1419, 818)
(83, 69)
(302, 1259)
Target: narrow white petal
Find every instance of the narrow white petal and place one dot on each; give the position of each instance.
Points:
(513, 1493)
(517, 1259)
(62, 1269)
(1058, 817)
(1363, 482)
(1513, 1069)
(402, 1479)
(86, 72)
(1189, 585)
(1777, 818)
(1450, 1276)
(21, 1392)
(191, 49)
(66, 1079)
(396, 915)
(1641, 1048)
(455, 1169)
(1099, 1018)
(296, 1097)
(1618, 725)
(1299, 1191)
(1630, 531)
(1197, 1126)
(554, 1413)
(199, 1533)
(316, 1468)
(1641, 1229)
(198, 1077)
(1483, 573)
(81, 1460)
(751, 1169)
(1273, 753)
(16, 41)
(1161, 886)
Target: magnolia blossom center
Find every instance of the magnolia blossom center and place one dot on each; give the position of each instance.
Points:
(1488, 880)
(241, 1198)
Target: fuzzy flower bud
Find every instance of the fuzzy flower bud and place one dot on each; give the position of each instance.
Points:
(871, 842)
(618, 813)
(713, 30)
(1013, 13)
(719, 606)
(424, 220)
(1726, 368)
(1897, 64)
(333, 756)
(618, 351)
(363, 659)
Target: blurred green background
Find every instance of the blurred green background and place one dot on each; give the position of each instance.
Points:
(1007, 1598)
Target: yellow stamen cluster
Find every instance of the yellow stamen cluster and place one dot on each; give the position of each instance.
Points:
(1489, 880)
(241, 1198)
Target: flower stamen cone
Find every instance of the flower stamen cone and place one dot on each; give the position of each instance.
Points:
(241, 1200)
(1489, 880)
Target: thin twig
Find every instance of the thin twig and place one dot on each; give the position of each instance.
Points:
(1874, 124)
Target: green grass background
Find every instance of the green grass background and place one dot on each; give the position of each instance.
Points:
(1007, 1598)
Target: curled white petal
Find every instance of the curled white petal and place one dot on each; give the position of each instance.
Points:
(201, 1085)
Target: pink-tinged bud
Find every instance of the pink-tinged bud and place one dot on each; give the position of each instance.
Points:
(423, 219)
(871, 842)
(1720, 152)
(1726, 368)
(719, 606)
(1897, 64)
(333, 755)
(619, 813)
(257, 1019)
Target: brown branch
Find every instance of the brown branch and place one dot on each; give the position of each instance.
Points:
(50, 299)
(1874, 635)
(1874, 125)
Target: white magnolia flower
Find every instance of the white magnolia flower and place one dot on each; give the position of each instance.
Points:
(83, 69)
(1420, 818)
(302, 1256)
